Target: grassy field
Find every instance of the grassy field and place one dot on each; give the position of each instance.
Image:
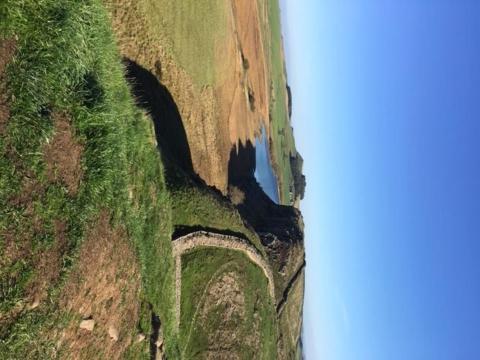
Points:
(290, 321)
(66, 62)
(191, 30)
(217, 314)
(282, 143)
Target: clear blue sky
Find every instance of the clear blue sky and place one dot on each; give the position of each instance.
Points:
(387, 116)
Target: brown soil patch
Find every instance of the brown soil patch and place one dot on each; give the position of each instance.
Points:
(103, 286)
(31, 190)
(63, 154)
(17, 241)
(48, 265)
(14, 247)
(7, 50)
(244, 94)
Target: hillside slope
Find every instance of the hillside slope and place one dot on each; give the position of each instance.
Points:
(99, 179)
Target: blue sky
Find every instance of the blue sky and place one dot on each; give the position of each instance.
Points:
(386, 111)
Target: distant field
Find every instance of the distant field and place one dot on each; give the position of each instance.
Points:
(68, 79)
(192, 29)
(197, 37)
(281, 134)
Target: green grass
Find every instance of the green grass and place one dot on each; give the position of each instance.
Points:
(66, 60)
(201, 207)
(290, 320)
(198, 268)
(191, 29)
(282, 140)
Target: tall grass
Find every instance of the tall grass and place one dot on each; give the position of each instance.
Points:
(66, 61)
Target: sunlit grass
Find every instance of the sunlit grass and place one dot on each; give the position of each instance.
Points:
(66, 61)
(192, 30)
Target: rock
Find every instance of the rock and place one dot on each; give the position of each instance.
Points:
(140, 338)
(85, 313)
(159, 343)
(34, 305)
(113, 333)
(87, 324)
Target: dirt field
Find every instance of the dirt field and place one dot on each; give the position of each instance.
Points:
(244, 98)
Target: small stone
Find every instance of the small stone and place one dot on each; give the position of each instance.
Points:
(113, 333)
(159, 343)
(34, 305)
(87, 324)
(140, 338)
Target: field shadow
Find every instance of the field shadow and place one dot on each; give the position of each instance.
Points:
(155, 98)
(241, 164)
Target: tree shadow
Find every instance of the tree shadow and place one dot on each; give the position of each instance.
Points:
(266, 217)
(242, 163)
(155, 324)
(155, 98)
